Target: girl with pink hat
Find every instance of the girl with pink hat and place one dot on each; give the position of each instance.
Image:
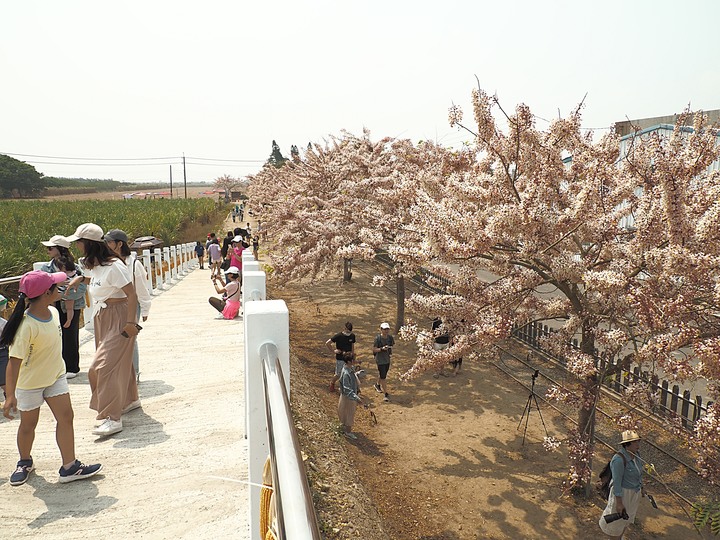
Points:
(36, 374)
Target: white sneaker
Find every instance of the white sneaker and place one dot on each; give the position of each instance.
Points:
(70, 375)
(134, 405)
(108, 427)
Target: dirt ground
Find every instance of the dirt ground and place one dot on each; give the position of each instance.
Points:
(446, 459)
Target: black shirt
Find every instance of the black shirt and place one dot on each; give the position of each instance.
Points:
(343, 342)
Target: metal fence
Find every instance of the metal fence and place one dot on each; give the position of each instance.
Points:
(672, 400)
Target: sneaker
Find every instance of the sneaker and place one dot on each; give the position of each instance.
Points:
(377, 388)
(108, 427)
(350, 435)
(20, 476)
(134, 405)
(387, 397)
(70, 375)
(78, 471)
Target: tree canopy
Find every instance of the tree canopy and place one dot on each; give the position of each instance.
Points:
(620, 251)
(19, 179)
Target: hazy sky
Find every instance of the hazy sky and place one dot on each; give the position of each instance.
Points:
(220, 79)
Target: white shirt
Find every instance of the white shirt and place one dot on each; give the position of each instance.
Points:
(142, 285)
(107, 282)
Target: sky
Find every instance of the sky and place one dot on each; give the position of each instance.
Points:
(122, 90)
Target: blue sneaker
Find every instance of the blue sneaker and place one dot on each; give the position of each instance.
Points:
(78, 472)
(20, 476)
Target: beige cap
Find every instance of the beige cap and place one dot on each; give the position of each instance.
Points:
(57, 240)
(629, 436)
(87, 231)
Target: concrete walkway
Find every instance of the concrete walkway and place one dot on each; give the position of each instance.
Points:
(178, 468)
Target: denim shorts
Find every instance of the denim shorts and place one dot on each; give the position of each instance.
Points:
(29, 400)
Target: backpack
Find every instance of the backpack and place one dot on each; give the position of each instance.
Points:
(603, 484)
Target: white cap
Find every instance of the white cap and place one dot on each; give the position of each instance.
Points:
(238, 238)
(87, 231)
(232, 270)
(57, 240)
(385, 325)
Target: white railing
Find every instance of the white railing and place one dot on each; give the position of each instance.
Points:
(269, 426)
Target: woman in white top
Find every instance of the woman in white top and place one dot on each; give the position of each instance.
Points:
(111, 375)
(117, 241)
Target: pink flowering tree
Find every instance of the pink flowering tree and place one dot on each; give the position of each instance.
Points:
(227, 183)
(618, 251)
(311, 207)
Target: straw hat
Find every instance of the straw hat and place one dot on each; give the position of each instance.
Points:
(629, 436)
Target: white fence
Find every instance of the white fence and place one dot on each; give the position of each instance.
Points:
(268, 420)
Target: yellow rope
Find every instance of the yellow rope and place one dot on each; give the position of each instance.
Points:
(266, 513)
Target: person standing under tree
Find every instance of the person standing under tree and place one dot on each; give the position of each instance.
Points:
(382, 349)
(349, 395)
(343, 342)
(626, 487)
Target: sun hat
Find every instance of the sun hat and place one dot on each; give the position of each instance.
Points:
(116, 235)
(35, 283)
(57, 240)
(385, 325)
(629, 436)
(233, 270)
(87, 231)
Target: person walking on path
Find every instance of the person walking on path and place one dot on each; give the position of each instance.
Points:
(117, 241)
(58, 248)
(382, 349)
(200, 252)
(349, 395)
(626, 487)
(111, 374)
(339, 344)
(36, 373)
(214, 257)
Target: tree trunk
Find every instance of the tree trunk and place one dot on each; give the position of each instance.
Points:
(347, 270)
(586, 416)
(400, 318)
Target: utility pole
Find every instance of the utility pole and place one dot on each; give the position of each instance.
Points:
(184, 175)
(171, 181)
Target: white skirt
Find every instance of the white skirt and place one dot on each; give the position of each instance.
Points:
(631, 500)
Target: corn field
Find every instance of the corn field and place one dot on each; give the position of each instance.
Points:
(24, 224)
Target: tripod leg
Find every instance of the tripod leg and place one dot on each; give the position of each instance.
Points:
(526, 410)
(537, 405)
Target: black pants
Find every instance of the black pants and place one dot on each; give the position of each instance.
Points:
(70, 341)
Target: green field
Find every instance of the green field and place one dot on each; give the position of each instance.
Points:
(24, 224)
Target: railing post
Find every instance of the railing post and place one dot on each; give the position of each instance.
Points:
(157, 269)
(145, 260)
(173, 263)
(266, 322)
(167, 275)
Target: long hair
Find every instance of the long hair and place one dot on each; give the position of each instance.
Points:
(16, 318)
(124, 249)
(97, 254)
(65, 252)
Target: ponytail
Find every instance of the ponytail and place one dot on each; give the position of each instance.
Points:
(11, 328)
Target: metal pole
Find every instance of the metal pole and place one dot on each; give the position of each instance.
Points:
(171, 181)
(184, 175)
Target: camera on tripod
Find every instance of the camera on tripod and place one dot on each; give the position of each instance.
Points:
(617, 515)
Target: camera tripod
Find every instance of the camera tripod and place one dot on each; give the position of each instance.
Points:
(532, 399)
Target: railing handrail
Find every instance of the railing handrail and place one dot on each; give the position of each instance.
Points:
(289, 480)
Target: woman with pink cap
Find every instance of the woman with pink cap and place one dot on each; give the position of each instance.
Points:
(111, 374)
(36, 374)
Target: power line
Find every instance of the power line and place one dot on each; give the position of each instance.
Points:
(89, 159)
